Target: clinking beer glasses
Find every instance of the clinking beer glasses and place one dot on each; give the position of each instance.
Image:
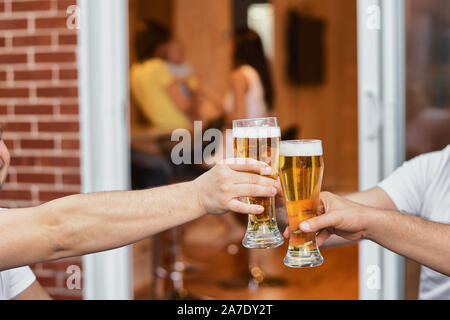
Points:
(260, 139)
(301, 173)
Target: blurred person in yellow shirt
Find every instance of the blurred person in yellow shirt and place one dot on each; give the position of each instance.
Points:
(153, 86)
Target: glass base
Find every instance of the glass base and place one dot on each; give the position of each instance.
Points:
(303, 261)
(262, 239)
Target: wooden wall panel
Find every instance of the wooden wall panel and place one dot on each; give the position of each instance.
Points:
(327, 112)
(205, 27)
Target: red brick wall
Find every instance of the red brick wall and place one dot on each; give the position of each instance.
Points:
(39, 113)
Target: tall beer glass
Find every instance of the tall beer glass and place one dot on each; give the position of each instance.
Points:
(301, 173)
(260, 139)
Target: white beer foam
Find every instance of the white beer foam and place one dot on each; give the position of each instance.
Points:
(257, 132)
(301, 148)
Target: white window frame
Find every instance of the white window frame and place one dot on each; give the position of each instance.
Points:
(103, 83)
(105, 163)
(381, 55)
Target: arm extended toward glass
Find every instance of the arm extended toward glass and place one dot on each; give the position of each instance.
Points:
(413, 237)
(89, 223)
(423, 241)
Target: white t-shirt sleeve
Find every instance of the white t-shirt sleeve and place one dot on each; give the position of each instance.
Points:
(18, 280)
(408, 184)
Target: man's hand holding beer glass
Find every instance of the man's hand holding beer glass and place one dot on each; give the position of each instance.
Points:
(219, 189)
(345, 218)
(418, 239)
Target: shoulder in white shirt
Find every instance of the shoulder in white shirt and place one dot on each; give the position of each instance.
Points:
(422, 187)
(13, 282)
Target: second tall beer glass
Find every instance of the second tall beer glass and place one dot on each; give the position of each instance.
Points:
(301, 173)
(260, 139)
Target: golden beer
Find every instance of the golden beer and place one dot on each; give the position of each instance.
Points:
(301, 173)
(263, 144)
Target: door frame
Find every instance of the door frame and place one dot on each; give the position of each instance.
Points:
(103, 64)
(105, 159)
(382, 77)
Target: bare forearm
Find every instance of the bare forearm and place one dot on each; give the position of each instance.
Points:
(82, 224)
(335, 241)
(426, 242)
(375, 197)
(33, 292)
(99, 222)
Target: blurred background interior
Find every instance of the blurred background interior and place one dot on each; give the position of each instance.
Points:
(314, 80)
(307, 67)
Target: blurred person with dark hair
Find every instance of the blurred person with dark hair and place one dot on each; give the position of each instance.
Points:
(252, 90)
(89, 223)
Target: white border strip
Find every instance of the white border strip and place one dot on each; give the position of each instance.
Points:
(105, 163)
